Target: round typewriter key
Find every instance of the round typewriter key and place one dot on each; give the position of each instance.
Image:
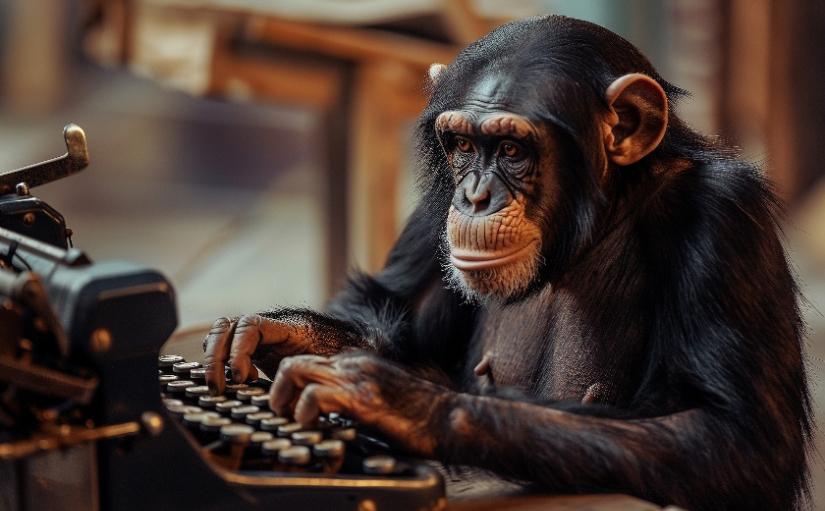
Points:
(165, 362)
(179, 411)
(177, 387)
(295, 455)
(261, 400)
(307, 437)
(273, 423)
(237, 433)
(198, 374)
(329, 449)
(194, 420)
(213, 424)
(240, 412)
(194, 392)
(380, 464)
(259, 437)
(345, 434)
(164, 380)
(226, 407)
(183, 368)
(254, 419)
(209, 402)
(248, 394)
(287, 430)
(169, 402)
(232, 389)
(272, 447)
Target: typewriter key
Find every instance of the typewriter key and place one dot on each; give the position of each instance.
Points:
(273, 423)
(169, 402)
(329, 449)
(380, 464)
(345, 434)
(297, 455)
(247, 394)
(198, 374)
(194, 392)
(194, 420)
(261, 400)
(259, 437)
(177, 387)
(182, 368)
(240, 412)
(331, 454)
(165, 362)
(209, 402)
(272, 447)
(236, 433)
(254, 419)
(179, 411)
(287, 430)
(212, 425)
(306, 437)
(226, 407)
(164, 380)
(232, 389)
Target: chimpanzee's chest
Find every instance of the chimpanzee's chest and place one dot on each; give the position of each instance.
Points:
(549, 347)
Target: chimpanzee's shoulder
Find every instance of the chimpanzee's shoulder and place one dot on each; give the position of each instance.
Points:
(723, 190)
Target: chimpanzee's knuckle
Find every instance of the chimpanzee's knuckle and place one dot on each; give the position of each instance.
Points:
(287, 366)
(311, 391)
(362, 362)
(220, 324)
(248, 320)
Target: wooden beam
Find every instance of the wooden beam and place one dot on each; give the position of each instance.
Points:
(356, 44)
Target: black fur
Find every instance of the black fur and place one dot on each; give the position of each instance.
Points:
(672, 275)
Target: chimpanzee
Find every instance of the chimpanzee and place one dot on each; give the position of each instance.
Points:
(591, 296)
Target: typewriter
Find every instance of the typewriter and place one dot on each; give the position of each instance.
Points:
(91, 417)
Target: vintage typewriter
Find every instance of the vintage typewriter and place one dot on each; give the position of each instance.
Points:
(92, 418)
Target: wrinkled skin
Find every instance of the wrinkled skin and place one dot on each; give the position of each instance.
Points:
(376, 392)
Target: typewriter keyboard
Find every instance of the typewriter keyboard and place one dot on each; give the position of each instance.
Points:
(237, 431)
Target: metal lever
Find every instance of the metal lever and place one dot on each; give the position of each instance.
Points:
(75, 160)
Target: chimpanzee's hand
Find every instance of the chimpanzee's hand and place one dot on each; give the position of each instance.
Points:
(252, 340)
(366, 388)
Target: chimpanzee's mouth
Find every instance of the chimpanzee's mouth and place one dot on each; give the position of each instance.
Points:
(472, 260)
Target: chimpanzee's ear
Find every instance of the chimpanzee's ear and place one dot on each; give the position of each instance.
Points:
(637, 120)
(435, 72)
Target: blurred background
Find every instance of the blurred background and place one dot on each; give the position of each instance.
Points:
(254, 150)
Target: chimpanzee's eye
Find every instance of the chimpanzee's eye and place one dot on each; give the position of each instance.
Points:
(510, 149)
(463, 145)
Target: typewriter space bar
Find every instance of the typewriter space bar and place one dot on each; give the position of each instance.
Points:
(46, 381)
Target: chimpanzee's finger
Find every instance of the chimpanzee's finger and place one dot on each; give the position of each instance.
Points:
(216, 348)
(245, 341)
(316, 399)
(294, 373)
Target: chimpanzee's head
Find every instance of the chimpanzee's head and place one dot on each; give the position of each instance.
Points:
(525, 131)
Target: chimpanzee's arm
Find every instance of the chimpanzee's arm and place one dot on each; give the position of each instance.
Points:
(376, 313)
(693, 457)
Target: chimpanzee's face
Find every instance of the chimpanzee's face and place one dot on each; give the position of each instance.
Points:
(502, 164)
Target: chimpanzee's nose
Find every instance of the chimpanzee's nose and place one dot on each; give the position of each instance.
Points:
(481, 195)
